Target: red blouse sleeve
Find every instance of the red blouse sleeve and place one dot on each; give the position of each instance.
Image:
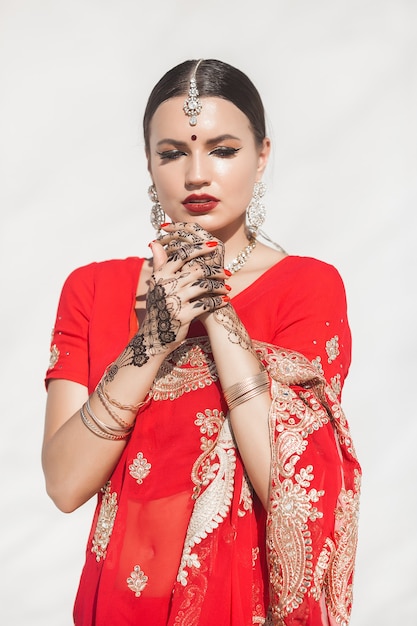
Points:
(69, 342)
(312, 320)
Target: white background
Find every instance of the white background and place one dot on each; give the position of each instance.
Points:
(338, 81)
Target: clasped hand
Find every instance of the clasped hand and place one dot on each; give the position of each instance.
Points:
(188, 281)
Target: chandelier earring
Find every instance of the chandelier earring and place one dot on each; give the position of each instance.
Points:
(157, 212)
(256, 213)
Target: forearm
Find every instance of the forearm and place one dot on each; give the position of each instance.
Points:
(236, 361)
(76, 461)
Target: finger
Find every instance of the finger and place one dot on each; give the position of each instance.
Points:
(159, 255)
(186, 231)
(210, 303)
(211, 286)
(203, 269)
(182, 254)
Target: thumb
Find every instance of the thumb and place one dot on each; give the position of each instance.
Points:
(159, 255)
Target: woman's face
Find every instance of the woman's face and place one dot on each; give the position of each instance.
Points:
(205, 173)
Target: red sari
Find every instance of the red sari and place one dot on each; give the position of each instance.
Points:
(178, 537)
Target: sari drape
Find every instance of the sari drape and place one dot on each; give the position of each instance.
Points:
(178, 536)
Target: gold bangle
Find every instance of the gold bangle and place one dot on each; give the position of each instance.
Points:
(96, 431)
(112, 430)
(104, 402)
(247, 389)
(133, 408)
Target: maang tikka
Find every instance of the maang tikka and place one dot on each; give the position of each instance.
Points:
(256, 213)
(157, 212)
(192, 106)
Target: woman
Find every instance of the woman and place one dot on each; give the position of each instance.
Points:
(198, 393)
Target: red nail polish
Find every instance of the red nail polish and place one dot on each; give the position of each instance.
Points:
(227, 272)
(225, 298)
(211, 244)
(165, 224)
(228, 287)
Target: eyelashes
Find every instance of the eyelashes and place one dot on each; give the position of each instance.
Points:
(222, 152)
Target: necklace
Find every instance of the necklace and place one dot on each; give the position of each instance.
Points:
(239, 261)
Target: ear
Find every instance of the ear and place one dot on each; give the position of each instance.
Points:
(263, 157)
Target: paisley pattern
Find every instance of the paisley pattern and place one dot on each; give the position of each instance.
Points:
(299, 568)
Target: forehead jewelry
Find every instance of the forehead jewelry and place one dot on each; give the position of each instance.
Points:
(192, 106)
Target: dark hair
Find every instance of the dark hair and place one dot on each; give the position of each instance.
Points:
(216, 79)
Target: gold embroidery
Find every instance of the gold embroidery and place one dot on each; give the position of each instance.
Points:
(321, 569)
(317, 364)
(139, 468)
(204, 471)
(298, 567)
(54, 356)
(105, 522)
(295, 421)
(190, 367)
(137, 581)
(246, 498)
(336, 384)
(342, 564)
(255, 554)
(214, 470)
(332, 348)
(290, 566)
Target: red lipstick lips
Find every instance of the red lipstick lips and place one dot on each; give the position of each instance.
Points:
(200, 203)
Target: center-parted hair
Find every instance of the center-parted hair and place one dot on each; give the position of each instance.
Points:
(214, 79)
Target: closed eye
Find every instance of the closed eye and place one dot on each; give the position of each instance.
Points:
(224, 152)
(170, 155)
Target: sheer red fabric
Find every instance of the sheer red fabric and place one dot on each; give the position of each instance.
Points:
(178, 537)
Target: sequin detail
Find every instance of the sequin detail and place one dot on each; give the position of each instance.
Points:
(137, 581)
(139, 468)
(336, 384)
(105, 522)
(190, 367)
(53, 357)
(332, 348)
(317, 364)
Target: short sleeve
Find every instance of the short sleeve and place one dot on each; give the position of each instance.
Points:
(314, 321)
(69, 341)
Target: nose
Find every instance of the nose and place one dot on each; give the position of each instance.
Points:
(198, 171)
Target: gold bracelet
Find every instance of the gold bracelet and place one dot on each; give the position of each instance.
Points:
(247, 389)
(104, 402)
(112, 430)
(97, 431)
(133, 408)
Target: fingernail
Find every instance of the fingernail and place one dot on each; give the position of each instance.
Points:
(228, 287)
(225, 298)
(150, 245)
(227, 272)
(211, 244)
(165, 224)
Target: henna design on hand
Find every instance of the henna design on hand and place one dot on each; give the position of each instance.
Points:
(160, 327)
(208, 284)
(187, 238)
(209, 303)
(236, 332)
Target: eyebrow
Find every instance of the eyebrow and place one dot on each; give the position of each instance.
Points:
(209, 142)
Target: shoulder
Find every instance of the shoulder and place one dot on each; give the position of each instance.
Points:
(108, 269)
(311, 274)
(309, 266)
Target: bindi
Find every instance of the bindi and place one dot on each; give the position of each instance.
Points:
(193, 137)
